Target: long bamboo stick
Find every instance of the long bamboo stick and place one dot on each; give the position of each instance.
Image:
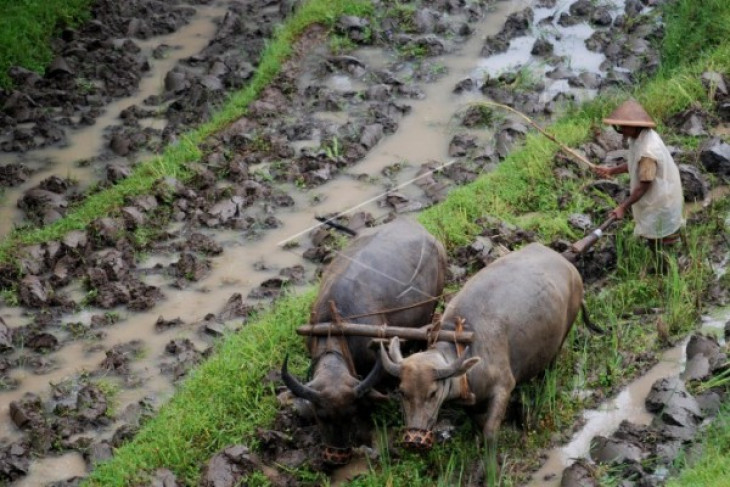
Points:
(576, 156)
(356, 329)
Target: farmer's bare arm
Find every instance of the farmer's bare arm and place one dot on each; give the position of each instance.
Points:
(607, 172)
(635, 196)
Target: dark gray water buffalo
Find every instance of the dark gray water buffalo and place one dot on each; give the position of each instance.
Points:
(520, 309)
(393, 266)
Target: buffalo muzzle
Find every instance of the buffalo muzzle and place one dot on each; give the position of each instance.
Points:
(336, 456)
(418, 439)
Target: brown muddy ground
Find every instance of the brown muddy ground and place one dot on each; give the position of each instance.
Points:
(134, 301)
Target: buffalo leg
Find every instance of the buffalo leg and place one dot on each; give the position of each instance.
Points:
(493, 417)
(489, 422)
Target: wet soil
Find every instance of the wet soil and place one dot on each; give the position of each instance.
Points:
(189, 262)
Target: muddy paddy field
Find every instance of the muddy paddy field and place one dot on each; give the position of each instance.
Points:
(372, 120)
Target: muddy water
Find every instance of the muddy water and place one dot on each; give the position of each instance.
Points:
(87, 143)
(716, 193)
(568, 42)
(343, 475)
(54, 469)
(422, 136)
(628, 405)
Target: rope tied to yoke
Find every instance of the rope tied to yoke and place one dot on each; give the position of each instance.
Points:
(460, 348)
(400, 308)
(342, 339)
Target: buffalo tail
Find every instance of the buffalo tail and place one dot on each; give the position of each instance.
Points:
(586, 319)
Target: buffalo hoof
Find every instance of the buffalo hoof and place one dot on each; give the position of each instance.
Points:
(336, 456)
(416, 439)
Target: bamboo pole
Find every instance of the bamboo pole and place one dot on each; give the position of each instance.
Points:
(356, 329)
(576, 156)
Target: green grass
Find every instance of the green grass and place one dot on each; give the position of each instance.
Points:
(694, 29)
(26, 28)
(712, 468)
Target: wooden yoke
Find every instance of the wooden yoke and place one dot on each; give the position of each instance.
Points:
(358, 329)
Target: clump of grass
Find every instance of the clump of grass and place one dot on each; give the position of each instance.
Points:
(27, 27)
(693, 29)
(478, 115)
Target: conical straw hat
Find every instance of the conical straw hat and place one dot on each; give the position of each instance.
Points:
(630, 114)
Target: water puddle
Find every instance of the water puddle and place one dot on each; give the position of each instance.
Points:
(343, 475)
(53, 469)
(568, 44)
(87, 143)
(716, 193)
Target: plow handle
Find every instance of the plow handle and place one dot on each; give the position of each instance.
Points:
(587, 242)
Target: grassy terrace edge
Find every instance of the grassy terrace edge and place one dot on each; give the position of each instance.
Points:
(227, 398)
(172, 162)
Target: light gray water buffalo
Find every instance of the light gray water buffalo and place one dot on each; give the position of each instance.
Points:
(397, 265)
(520, 309)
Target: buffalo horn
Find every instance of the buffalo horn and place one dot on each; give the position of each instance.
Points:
(297, 388)
(394, 350)
(390, 367)
(368, 382)
(452, 368)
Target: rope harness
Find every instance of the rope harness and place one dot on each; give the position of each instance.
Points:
(460, 347)
(400, 308)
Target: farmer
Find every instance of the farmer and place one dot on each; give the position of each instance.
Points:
(656, 196)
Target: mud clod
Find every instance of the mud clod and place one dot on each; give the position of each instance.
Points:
(14, 461)
(614, 451)
(715, 156)
(228, 467)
